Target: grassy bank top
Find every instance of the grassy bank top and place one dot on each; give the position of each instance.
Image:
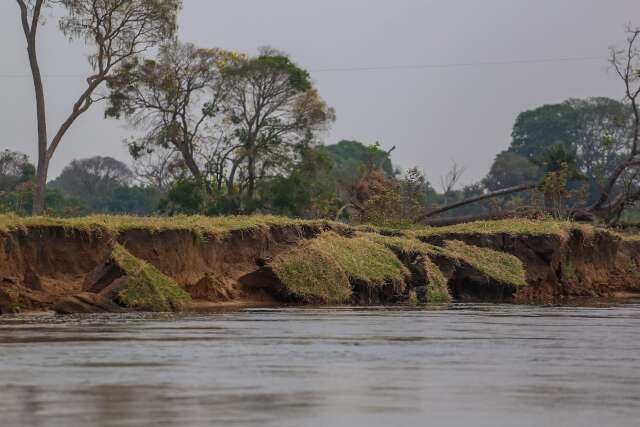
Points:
(198, 224)
(515, 227)
(202, 225)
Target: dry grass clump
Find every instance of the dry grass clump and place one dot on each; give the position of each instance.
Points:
(499, 266)
(147, 288)
(322, 270)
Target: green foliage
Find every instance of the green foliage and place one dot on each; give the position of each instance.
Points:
(589, 135)
(536, 130)
(185, 197)
(15, 169)
(164, 86)
(509, 170)
(17, 176)
(559, 157)
(135, 200)
(351, 158)
(147, 288)
(414, 189)
(299, 79)
(308, 191)
(92, 181)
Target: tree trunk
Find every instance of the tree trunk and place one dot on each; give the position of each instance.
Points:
(40, 190)
(30, 31)
(232, 176)
(251, 189)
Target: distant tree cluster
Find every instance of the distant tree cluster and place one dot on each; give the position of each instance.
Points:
(93, 185)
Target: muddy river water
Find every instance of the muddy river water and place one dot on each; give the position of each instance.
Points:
(458, 365)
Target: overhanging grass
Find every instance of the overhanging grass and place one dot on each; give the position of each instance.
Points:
(322, 270)
(407, 245)
(362, 258)
(148, 289)
(438, 288)
(499, 266)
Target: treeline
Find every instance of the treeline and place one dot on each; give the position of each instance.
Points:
(225, 132)
(568, 149)
(317, 185)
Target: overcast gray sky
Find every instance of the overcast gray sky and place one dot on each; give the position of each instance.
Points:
(432, 115)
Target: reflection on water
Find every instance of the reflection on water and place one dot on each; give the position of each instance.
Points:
(462, 365)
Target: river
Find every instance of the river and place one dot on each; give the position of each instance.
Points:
(457, 365)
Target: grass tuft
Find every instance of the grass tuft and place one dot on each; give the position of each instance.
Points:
(438, 288)
(148, 289)
(322, 270)
(499, 266)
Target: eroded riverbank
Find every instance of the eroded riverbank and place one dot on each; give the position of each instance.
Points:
(111, 264)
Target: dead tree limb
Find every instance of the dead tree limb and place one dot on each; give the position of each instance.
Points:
(626, 63)
(503, 192)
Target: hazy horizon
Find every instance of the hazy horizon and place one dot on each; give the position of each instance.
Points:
(432, 115)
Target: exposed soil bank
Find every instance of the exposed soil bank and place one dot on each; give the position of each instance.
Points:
(580, 262)
(85, 267)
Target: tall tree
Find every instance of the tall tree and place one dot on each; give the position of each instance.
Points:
(175, 98)
(116, 30)
(273, 107)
